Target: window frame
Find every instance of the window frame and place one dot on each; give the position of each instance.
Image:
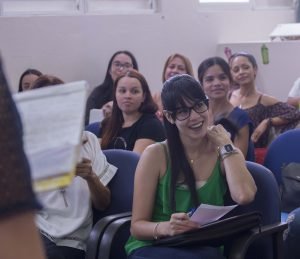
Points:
(214, 5)
(16, 8)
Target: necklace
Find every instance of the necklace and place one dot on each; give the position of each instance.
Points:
(192, 161)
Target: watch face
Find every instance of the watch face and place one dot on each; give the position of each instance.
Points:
(228, 148)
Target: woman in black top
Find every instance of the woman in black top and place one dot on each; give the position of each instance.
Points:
(133, 124)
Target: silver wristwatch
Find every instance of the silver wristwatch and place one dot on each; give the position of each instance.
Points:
(227, 150)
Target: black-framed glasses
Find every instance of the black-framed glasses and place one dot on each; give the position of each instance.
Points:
(120, 65)
(183, 113)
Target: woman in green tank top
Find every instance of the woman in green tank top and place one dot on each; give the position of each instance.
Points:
(190, 168)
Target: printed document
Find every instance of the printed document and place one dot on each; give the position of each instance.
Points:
(52, 120)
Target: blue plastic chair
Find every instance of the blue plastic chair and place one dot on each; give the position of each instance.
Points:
(283, 150)
(121, 187)
(95, 128)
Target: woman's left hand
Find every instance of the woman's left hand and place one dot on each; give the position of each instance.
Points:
(84, 169)
(218, 135)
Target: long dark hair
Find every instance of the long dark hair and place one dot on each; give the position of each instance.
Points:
(176, 92)
(108, 81)
(226, 122)
(29, 71)
(46, 80)
(115, 122)
(207, 63)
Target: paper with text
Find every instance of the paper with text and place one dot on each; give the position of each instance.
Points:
(205, 213)
(52, 120)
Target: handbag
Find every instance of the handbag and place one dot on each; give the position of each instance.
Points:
(216, 233)
(290, 191)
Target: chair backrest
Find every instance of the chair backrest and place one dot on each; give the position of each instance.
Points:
(267, 202)
(94, 128)
(282, 151)
(121, 186)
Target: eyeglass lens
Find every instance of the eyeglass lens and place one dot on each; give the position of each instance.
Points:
(184, 113)
(121, 65)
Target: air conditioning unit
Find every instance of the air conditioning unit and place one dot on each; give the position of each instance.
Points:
(286, 32)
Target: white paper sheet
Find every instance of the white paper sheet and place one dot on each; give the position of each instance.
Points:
(205, 213)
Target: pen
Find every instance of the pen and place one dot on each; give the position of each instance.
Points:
(191, 212)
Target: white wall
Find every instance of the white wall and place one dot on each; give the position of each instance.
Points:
(277, 77)
(79, 47)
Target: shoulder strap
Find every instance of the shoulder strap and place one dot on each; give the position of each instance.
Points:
(259, 99)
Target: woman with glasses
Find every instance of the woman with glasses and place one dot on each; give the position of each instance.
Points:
(191, 167)
(118, 65)
(264, 110)
(176, 64)
(133, 124)
(214, 75)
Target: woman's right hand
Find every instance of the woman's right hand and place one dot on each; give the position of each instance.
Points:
(179, 223)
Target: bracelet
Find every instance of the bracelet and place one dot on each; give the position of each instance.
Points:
(155, 234)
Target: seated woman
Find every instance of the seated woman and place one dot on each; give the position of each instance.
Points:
(214, 75)
(264, 110)
(120, 62)
(133, 124)
(190, 168)
(27, 78)
(176, 64)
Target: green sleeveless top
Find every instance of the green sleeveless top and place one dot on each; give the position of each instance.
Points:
(212, 192)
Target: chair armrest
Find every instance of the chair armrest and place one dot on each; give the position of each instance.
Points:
(97, 233)
(106, 242)
(242, 242)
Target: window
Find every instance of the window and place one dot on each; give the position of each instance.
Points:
(120, 6)
(63, 7)
(37, 7)
(224, 4)
(254, 4)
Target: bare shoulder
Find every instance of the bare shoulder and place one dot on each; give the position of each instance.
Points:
(154, 152)
(153, 158)
(268, 100)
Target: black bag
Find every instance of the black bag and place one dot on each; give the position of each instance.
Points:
(290, 192)
(216, 233)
